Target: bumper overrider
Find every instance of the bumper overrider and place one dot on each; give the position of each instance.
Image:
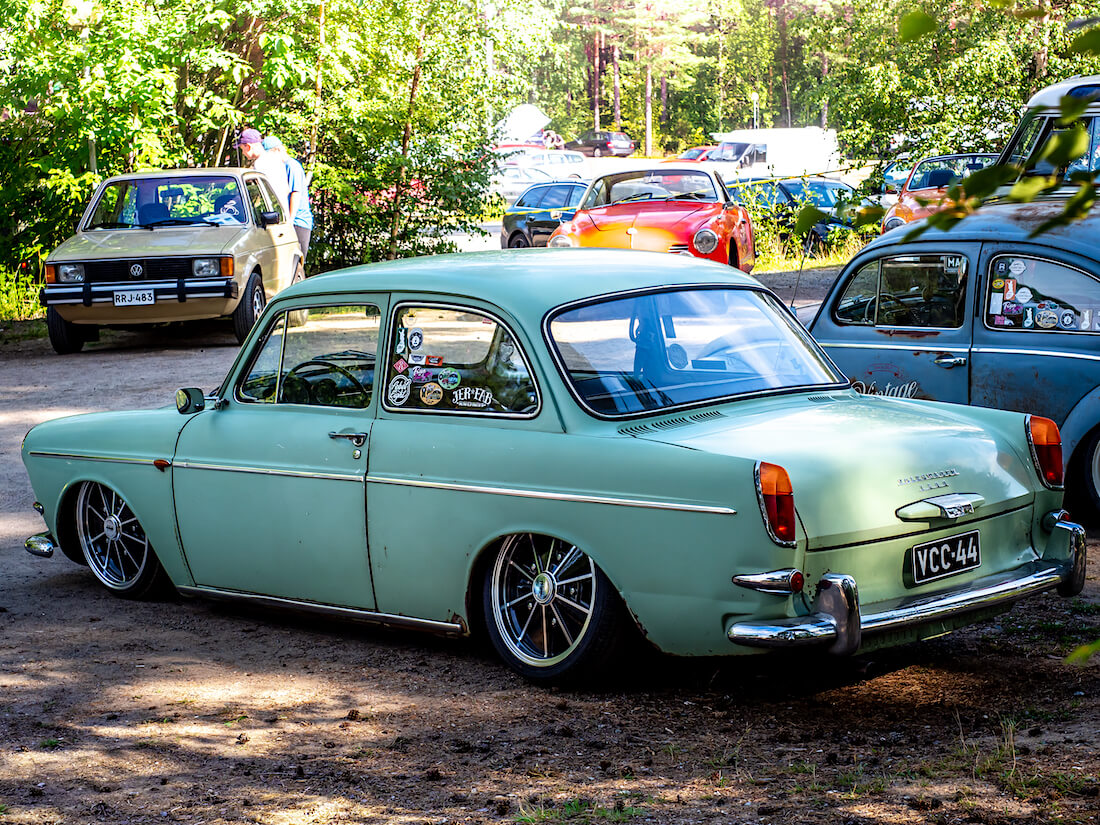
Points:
(179, 289)
(838, 623)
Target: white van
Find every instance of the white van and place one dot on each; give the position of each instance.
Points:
(810, 150)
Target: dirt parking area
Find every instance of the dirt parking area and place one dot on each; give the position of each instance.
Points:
(191, 712)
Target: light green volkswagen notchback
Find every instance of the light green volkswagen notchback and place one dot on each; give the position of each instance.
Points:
(564, 449)
(177, 245)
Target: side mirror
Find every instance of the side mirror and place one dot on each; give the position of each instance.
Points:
(268, 218)
(889, 189)
(190, 400)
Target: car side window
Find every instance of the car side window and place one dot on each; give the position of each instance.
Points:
(273, 199)
(925, 291)
(255, 198)
(321, 356)
(556, 197)
(531, 197)
(1035, 295)
(456, 361)
(575, 195)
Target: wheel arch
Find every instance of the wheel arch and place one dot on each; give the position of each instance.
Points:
(1082, 420)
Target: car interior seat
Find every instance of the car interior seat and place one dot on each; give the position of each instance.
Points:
(152, 212)
(939, 178)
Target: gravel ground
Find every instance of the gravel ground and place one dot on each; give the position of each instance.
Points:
(183, 711)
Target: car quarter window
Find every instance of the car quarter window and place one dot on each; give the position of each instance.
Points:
(556, 196)
(255, 198)
(454, 360)
(575, 195)
(926, 291)
(1030, 294)
(276, 204)
(322, 356)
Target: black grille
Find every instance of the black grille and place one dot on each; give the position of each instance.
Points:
(152, 269)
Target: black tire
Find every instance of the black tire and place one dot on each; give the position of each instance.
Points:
(248, 310)
(518, 241)
(1085, 476)
(115, 546)
(551, 613)
(597, 153)
(298, 317)
(65, 336)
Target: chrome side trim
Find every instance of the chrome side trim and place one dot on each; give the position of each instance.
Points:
(1080, 356)
(89, 457)
(41, 545)
(350, 613)
(266, 471)
(550, 496)
(963, 350)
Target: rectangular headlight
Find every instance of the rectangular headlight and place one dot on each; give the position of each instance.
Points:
(70, 273)
(206, 267)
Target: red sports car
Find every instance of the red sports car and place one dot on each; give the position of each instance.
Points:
(929, 182)
(662, 209)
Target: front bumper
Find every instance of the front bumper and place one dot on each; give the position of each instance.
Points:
(180, 290)
(838, 623)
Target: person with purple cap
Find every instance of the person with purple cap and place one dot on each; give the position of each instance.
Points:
(300, 212)
(251, 145)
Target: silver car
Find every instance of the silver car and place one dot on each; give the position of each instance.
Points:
(175, 245)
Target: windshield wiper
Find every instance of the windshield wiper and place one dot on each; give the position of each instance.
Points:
(687, 196)
(635, 197)
(176, 222)
(349, 353)
(111, 225)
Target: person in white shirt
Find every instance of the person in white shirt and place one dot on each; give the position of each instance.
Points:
(252, 147)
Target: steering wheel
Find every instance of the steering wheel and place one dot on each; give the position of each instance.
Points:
(869, 311)
(359, 389)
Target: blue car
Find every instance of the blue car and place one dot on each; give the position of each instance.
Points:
(538, 211)
(982, 314)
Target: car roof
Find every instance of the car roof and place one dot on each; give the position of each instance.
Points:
(1011, 223)
(1051, 96)
(204, 171)
(529, 282)
(958, 155)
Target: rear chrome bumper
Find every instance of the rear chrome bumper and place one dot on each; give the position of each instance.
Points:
(838, 624)
(182, 289)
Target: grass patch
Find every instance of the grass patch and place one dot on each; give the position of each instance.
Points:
(580, 811)
(50, 744)
(19, 296)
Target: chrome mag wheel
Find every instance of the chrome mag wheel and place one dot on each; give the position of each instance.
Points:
(113, 541)
(544, 595)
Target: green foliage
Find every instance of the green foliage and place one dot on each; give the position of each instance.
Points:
(19, 295)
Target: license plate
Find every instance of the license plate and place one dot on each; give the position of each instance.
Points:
(134, 297)
(946, 557)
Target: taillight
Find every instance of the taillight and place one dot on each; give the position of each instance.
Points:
(1046, 449)
(773, 487)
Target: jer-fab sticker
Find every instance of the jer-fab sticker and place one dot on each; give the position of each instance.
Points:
(431, 394)
(399, 389)
(421, 374)
(1023, 295)
(1010, 288)
(416, 338)
(1017, 267)
(1047, 318)
(434, 360)
(400, 365)
(472, 397)
(449, 378)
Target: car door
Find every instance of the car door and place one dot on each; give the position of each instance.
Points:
(269, 485)
(283, 238)
(898, 321)
(1036, 334)
(549, 214)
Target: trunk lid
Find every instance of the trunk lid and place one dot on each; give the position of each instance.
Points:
(854, 460)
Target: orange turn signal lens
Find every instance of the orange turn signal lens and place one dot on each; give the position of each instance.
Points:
(227, 267)
(51, 273)
(1046, 449)
(776, 502)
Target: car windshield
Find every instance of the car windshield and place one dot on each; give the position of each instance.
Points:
(643, 185)
(169, 201)
(691, 154)
(660, 350)
(820, 194)
(936, 173)
(1036, 132)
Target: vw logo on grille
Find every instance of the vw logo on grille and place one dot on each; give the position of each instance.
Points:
(136, 270)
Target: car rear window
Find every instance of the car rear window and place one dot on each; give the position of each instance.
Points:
(1028, 294)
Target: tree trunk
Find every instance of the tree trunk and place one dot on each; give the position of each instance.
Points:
(648, 111)
(317, 87)
(664, 99)
(825, 102)
(617, 81)
(596, 80)
(405, 138)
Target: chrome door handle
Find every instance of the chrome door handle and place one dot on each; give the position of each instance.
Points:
(949, 361)
(358, 439)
